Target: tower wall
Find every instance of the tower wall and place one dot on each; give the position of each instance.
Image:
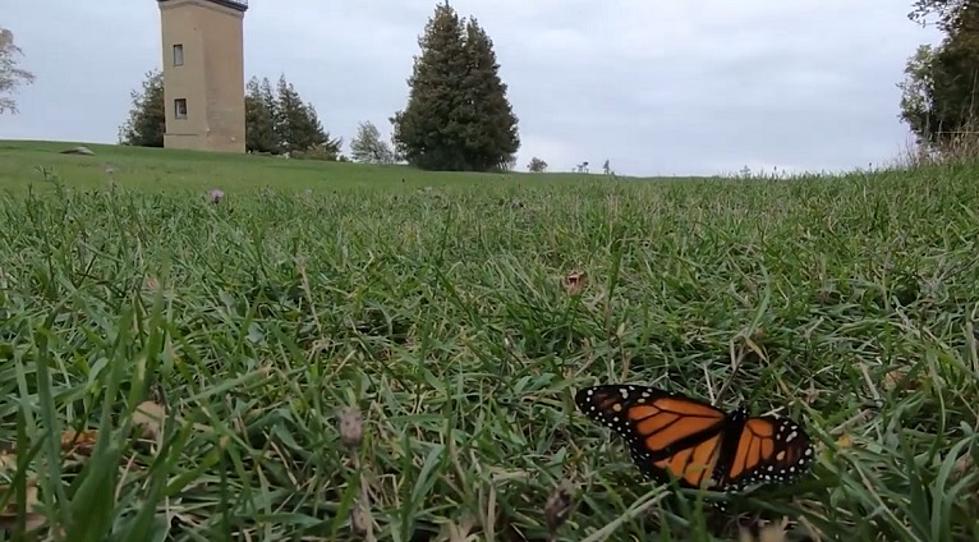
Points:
(211, 79)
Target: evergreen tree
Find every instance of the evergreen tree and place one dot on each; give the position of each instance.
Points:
(368, 147)
(491, 137)
(260, 133)
(298, 126)
(273, 123)
(147, 119)
(430, 132)
(458, 116)
(289, 116)
(268, 96)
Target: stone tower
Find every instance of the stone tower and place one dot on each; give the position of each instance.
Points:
(204, 74)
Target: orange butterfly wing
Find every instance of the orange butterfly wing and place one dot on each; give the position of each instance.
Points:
(768, 450)
(667, 434)
(677, 437)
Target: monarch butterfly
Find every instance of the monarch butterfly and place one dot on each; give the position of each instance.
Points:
(697, 444)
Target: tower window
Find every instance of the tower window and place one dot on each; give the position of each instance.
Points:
(178, 55)
(180, 108)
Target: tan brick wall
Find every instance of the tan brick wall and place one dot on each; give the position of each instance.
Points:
(212, 78)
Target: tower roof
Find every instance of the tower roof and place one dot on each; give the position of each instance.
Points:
(240, 5)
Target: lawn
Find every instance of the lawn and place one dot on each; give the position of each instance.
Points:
(26, 162)
(437, 308)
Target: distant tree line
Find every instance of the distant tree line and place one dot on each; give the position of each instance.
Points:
(537, 165)
(281, 122)
(940, 94)
(275, 122)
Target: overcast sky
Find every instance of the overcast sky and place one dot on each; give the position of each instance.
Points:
(657, 87)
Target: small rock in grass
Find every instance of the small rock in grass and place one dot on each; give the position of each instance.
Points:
(84, 151)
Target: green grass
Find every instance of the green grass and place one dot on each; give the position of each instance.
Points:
(440, 314)
(25, 162)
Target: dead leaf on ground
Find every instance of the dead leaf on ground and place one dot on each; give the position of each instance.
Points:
(574, 282)
(8, 514)
(78, 442)
(149, 418)
(459, 532)
(558, 508)
(963, 466)
(769, 532)
(895, 379)
(7, 460)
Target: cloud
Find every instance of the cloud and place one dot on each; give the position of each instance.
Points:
(667, 87)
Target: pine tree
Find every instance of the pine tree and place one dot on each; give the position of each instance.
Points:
(289, 113)
(458, 116)
(429, 132)
(491, 129)
(260, 133)
(273, 124)
(298, 126)
(368, 147)
(147, 119)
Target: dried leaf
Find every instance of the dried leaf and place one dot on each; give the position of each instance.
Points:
(78, 442)
(773, 533)
(459, 532)
(845, 441)
(8, 515)
(8, 460)
(558, 507)
(963, 466)
(895, 379)
(149, 417)
(769, 532)
(574, 282)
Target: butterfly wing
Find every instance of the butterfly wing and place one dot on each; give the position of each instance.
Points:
(767, 450)
(668, 435)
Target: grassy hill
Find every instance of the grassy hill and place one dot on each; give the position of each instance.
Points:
(159, 169)
(850, 304)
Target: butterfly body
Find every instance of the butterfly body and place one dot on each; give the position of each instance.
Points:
(672, 437)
